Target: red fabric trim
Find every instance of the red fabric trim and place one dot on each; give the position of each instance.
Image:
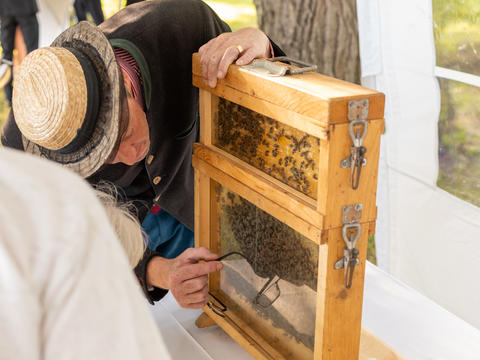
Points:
(129, 65)
(155, 209)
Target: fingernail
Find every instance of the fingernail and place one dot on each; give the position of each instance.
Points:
(220, 75)
(240, 62)
(219, 266)
(212, 83)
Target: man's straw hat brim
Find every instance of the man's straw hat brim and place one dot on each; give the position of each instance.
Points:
(90, 41)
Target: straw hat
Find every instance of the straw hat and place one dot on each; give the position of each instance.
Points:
(67, 100)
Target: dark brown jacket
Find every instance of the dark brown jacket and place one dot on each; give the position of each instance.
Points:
(166, 33)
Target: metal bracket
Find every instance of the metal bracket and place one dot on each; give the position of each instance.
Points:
(352, 213)
(340, 264)
(269, 67)
(358, 109)
(347, 162)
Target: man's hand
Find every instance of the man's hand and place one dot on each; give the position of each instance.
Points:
(184, 276)
(241, 46)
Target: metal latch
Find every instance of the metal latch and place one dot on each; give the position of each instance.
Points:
(273, 66)
(351, 231)
(358, 128)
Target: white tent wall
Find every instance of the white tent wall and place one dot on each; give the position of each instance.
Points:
(425, 237)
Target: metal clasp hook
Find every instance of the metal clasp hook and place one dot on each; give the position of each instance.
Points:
(351, 232)
(354, 235)
(358, 128)
(358, 139)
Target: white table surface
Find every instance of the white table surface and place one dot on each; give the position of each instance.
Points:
(412, 325)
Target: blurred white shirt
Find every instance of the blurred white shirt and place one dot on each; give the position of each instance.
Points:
(66, 289)
(53, 18)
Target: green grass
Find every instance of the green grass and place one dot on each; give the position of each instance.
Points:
(236, 13)
(459, 131)
(371, 251)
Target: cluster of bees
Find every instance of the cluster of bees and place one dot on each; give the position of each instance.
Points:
(271, 247)
(283, 152)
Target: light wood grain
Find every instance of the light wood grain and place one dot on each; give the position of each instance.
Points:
(290, 199)
(339, 310)
(254, 344)
(318, 106)
(335, 188)
(207, 104)
(371, 347)
(204, 321)
(286, 116)
(313, 95)
(259, 200)
(202, 210)
(202, 216)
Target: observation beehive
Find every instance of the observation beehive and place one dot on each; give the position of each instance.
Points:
(286, 177)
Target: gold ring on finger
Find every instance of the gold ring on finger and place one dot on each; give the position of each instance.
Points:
(239, 48)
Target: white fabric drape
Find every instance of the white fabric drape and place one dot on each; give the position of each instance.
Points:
(66, 289)
(425, 236)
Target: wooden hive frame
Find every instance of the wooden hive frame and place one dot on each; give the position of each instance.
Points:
(318, 106)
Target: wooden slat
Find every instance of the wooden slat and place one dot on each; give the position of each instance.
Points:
(334, 188)
(207, 105)
(254, 344)
(202, 215)
(215, 241)
(323, 176)
(202, 209)
(282, 194)
(289, 117)
(285, 216)
(317, 105)
(309, 94)
(204, 321)
(339, 310)
(334, 182)
(371, 347)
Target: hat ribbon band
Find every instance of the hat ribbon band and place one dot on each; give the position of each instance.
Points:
(85, 132)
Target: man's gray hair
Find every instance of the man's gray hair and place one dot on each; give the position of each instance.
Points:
(124, 222)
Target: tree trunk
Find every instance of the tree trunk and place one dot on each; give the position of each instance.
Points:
(322, 32)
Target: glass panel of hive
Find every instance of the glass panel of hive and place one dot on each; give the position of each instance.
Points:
(272, 286)
(283, 152)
